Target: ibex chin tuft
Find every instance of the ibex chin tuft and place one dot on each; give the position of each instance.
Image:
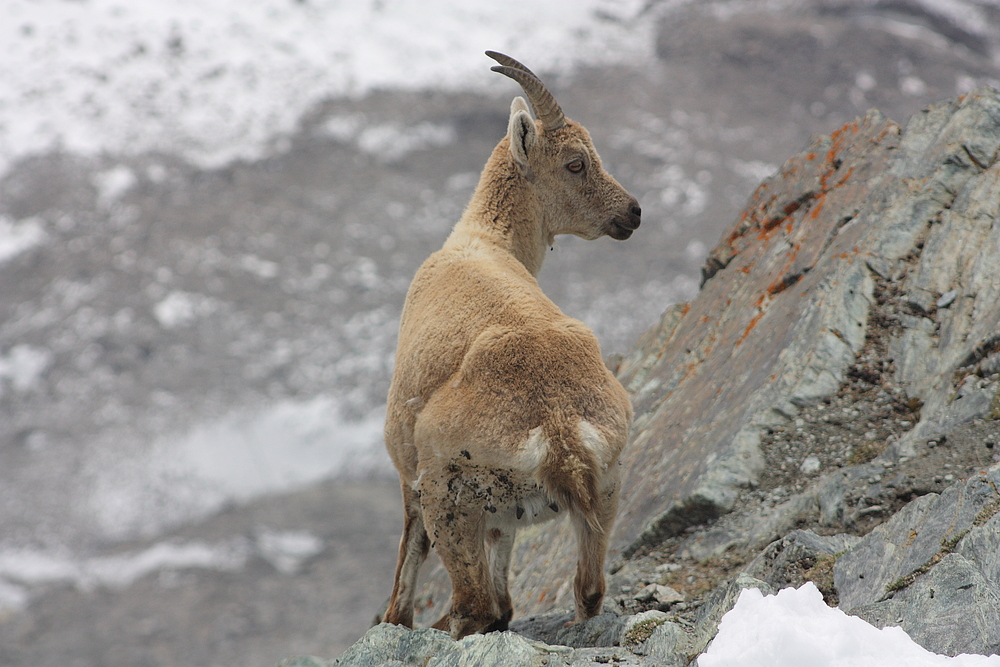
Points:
(501, 412)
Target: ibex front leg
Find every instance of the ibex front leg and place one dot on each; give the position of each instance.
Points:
(455, 520)
(413, 549)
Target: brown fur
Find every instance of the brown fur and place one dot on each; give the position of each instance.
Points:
(501, 412)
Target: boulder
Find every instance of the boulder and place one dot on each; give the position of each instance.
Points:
(792, 560)
(933, 569)
(392, 646)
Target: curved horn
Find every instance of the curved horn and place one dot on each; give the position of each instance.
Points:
(544, 104)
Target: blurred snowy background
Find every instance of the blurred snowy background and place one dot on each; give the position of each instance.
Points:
(209, 215)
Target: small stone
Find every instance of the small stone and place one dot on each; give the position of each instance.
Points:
(659, 593)
(646, 593)
(639, 627)
(947, 299)
(949, 477)
(667, 595)
(810, 465)
(668, 567)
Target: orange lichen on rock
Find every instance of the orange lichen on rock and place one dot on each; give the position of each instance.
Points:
(817, 207)
(781, 284)
(759, 304)
(847, 175)
(753, 322)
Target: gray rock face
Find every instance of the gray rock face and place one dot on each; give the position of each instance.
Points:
(602, 630)
(911, 539)
(780, 565)
(933, 569)
(952, 609)
(668, 645)
(392, 646)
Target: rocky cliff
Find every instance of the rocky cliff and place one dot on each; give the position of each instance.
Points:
(827, 408)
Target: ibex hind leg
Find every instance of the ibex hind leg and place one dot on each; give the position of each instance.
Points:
(499, 544)
(589, 584)
(413, 549)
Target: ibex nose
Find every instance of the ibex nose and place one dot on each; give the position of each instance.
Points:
(634, 215)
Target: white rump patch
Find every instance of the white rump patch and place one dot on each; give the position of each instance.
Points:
(533, 452)
(595, 442)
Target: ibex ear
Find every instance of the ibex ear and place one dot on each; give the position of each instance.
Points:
(522, 134)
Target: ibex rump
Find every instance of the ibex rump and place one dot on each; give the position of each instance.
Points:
(501, 412)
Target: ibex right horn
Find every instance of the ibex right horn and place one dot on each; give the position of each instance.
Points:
(546, 108)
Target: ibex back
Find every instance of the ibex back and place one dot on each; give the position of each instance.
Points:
(501, 412)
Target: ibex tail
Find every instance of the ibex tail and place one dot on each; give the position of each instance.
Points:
(570, 470)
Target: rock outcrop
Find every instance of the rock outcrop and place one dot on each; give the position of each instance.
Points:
(933, 569)
(827, 408)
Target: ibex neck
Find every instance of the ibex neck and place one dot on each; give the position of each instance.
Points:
(504, 212)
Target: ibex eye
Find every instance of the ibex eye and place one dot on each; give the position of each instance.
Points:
(576, 166)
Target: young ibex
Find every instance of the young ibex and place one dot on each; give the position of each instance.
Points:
(501, 412)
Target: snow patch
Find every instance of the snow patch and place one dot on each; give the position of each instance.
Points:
(24, 571)
(795, 628)
(913, 86)
(343, 128)
(262, 268)
(696, 251)
(389, 142)
(218, 81)
(392, 142)
(113, 184)
(23, 366)
(239, 457)
(17, 237)
(288, 550)
(179, 309)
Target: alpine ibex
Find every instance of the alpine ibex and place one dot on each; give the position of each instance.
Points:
(501, 412)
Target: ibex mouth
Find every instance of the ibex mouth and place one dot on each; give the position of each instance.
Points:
(623, 226)
(617, 232)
